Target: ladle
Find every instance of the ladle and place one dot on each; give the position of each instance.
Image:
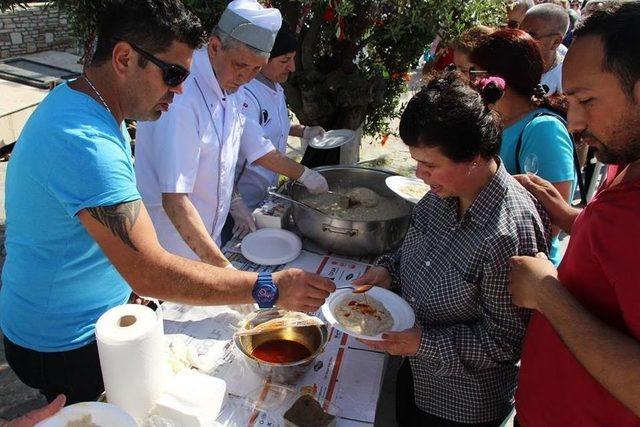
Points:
(297, 202)
(345, 202)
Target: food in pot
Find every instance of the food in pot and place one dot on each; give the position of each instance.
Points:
(370, 207)
(281, 351)
(363, 314)
(307, 412)
(364, 196)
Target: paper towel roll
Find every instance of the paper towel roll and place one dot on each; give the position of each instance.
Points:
(132, 356)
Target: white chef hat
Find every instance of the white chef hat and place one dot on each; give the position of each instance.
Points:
(252, 24)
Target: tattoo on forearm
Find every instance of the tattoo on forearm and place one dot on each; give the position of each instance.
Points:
(119, 219)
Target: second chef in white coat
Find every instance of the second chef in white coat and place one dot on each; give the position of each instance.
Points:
(185, 162)
(266, 105)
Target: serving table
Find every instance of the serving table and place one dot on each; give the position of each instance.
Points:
(346, 377)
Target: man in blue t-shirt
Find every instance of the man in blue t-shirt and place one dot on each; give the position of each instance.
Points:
(78, 238)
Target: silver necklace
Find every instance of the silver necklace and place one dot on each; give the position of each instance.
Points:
(97, 93)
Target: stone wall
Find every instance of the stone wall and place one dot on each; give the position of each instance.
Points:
(39, 27)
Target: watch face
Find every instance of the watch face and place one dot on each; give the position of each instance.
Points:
(265, 294)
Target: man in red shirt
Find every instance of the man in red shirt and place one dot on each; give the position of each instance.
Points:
(581, 355)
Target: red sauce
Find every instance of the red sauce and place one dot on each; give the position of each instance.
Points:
(365, 309)
(281, 351)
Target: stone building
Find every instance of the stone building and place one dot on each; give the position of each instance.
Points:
(40, 27)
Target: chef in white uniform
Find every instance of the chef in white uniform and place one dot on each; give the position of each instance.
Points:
(185, 162)
(265, 104)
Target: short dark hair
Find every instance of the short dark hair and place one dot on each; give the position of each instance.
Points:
(617, 24)
(151, 24)
(449, 114)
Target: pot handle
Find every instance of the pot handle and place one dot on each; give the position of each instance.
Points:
(338, 230)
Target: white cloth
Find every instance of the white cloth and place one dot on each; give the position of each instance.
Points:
(265, 17)
(553, 78)
(266, 108)
(193, 149)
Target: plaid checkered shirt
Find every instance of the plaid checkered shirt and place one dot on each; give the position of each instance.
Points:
(454, 274)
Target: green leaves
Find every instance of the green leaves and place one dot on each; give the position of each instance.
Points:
(350, 67)
(6, 5)
(456, 16)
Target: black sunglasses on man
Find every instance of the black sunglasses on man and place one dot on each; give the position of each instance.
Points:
(172, 74)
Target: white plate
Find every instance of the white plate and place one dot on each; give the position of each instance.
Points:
(103, 414)
(400, 310)
(332, 139)
(398, 184)
(271, 246)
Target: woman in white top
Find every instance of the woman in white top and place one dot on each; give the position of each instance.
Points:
(266, 105)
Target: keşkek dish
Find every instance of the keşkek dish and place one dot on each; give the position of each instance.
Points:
(415, 191)
(369, 206)
(83, 421)
(363, 315)
(411, 189)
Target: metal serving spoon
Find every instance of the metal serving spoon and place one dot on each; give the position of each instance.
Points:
(345, 202)
(297, 202)
(357, 290)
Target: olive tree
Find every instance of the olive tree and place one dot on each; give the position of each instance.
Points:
(353, 55)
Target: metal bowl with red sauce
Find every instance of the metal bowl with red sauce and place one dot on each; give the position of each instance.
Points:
(282, 355)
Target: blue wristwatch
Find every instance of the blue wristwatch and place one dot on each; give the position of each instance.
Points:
(265, 292)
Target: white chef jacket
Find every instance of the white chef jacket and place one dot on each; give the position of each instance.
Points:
(193, 149)
(268, 108)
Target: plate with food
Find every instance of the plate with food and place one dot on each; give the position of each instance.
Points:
(411, 189)
(368, 315)
(89, 414)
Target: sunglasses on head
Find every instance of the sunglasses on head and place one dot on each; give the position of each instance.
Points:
(172, 74)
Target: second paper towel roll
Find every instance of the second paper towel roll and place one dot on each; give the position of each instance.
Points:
(132, 356)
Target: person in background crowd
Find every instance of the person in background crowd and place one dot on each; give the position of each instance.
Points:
(78, 238)
(534, 140)
(574, 15)
(582, 350)
(573, 9)
(265, 104)
(591, 5)
(548, 24)
(452, 267)
(516, 10)
(562, 3)
(462, 47)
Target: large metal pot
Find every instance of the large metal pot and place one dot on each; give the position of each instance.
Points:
(349, 237)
